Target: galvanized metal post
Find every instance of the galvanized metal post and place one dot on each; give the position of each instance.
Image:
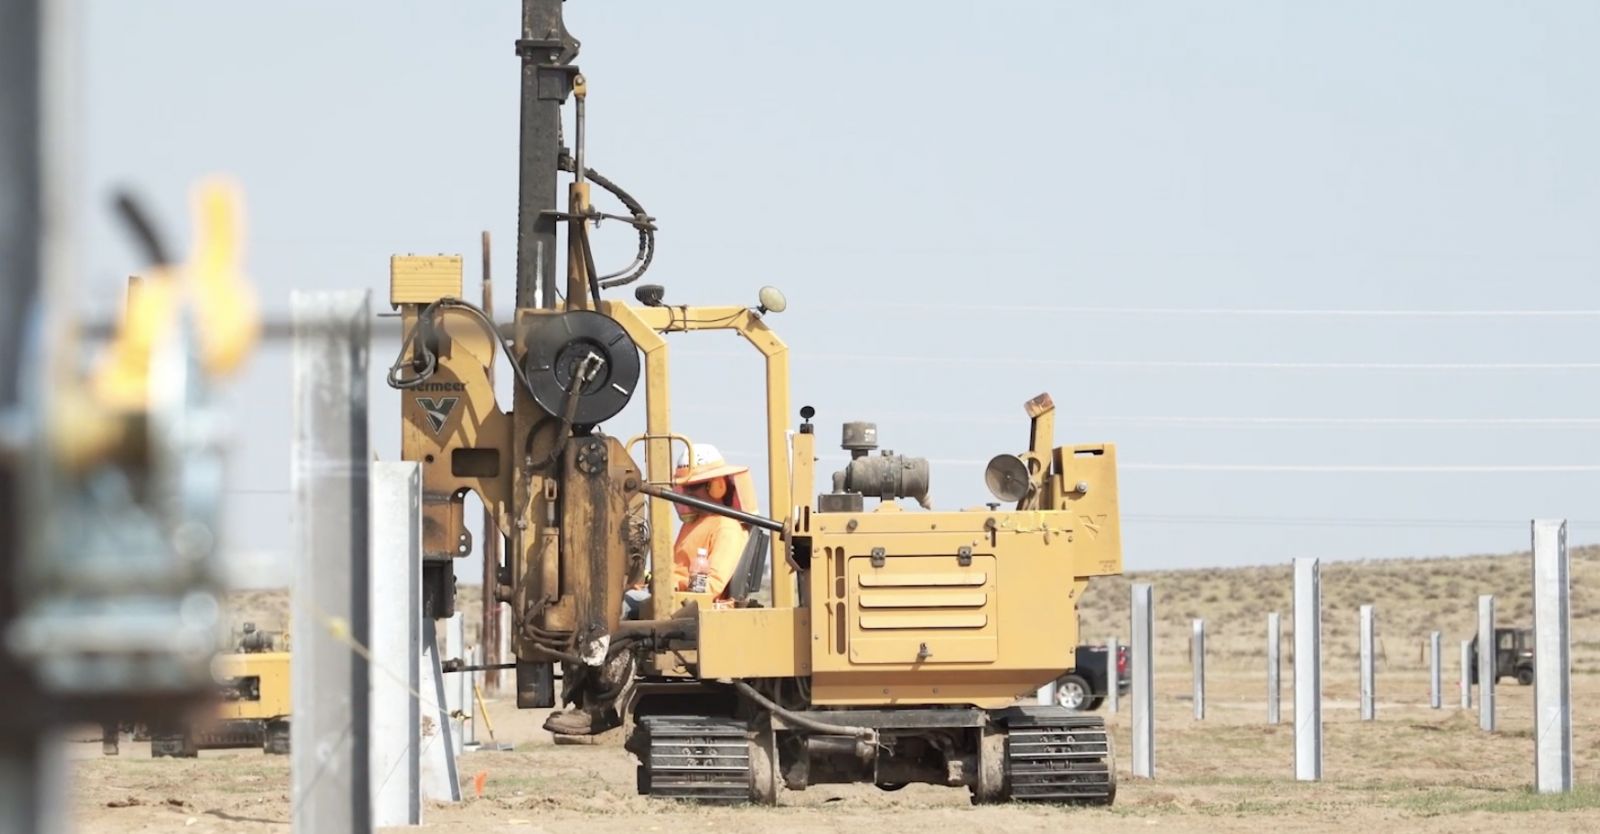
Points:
(1486, 657)
(1436, 695)
(455, 648)
(1466, 674)
(1144, 715)
(1552, 672)
(505, 635)
(1273, 668)
(440, 782)
(329, 769)
(1113, 677)
(469, 701)
(1308, 669)
(1197, 659)
(1369, 707)
(396, 602)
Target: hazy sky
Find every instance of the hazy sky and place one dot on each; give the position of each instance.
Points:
(941, 188)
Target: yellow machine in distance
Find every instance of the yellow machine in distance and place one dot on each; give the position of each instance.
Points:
(251, 708)
(894, 643)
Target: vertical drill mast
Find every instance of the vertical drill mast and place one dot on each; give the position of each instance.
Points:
(546, 51)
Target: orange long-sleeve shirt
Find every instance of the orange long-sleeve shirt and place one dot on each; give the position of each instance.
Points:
(723, 540)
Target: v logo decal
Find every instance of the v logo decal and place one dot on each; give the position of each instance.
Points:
(437, 410)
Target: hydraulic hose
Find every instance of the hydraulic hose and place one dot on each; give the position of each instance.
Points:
(866, 734)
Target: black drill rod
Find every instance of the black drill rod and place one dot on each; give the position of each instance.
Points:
(712, 507)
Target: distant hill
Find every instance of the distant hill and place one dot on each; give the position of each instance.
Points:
(1412, 597)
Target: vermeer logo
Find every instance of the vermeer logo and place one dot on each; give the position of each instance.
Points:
(437, 410)
(442, 386)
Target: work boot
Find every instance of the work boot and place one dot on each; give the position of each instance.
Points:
(582, 722)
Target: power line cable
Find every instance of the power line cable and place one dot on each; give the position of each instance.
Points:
(1011, 309)
(1170, 364)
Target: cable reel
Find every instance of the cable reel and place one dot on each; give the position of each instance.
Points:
(584, 356)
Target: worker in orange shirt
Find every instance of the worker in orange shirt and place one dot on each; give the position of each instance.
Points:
(708, 546)
(709, 478)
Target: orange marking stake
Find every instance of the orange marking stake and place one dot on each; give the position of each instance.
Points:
(479, 781)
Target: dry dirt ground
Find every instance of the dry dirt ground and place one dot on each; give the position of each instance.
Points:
(1414, 769)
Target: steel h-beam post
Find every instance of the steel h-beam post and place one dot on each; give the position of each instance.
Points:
(396, 601)
(1466, 674)
(1144, 716)
(1369, 695)
(1307, 669)
(1436, 695)
(1197, 659)
(1113, 677)
(1486, 657)
(1552, 676)
(330, 768)
(1274, 668)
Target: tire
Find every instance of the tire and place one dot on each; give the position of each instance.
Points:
(1094, 703)
(1525, 676)
(1073, 692)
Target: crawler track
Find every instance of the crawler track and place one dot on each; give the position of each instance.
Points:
(1054, 755)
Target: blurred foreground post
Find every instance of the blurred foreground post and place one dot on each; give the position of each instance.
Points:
(1486, 664)
(32, 768)
(1197, 659)
(329, 768)
(1552, 673)
(1144, 716)
(1273, 668)
(1307, 669)
(396, 601)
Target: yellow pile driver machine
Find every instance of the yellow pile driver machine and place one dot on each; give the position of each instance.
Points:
(893, 644)
(251, 706)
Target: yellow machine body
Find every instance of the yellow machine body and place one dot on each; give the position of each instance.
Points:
(889, 645)
(256, 686)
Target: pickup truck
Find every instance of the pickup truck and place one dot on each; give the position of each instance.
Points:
(1086, 686)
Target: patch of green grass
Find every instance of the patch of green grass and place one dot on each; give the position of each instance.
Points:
(1432, 803)
(1246, 780)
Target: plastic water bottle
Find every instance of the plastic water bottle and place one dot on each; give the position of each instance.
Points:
(701, 579)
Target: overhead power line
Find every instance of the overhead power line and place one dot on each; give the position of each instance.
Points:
(1294, 468)
(1220, 420)
(1175, 364)
(1290, 521)
(890, 306)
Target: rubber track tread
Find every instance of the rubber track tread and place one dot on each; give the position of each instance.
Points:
(704, 760)
(1064, 760)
